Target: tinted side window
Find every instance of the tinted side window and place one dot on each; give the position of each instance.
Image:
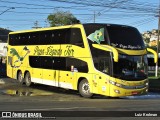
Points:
(74, 37)
(45, 37)
(14, 39)
(59, 36)
(101, 60)
(47, 62)
(33, 38)
(24, 39)
(35, 61)
(79, 65)
(58, 63)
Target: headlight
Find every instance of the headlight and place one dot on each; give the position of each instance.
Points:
(118, 85)
(114, 83)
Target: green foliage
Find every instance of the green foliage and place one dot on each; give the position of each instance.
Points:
(62, 18)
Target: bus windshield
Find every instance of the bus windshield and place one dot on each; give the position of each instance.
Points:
(130, 67)
(125, 37)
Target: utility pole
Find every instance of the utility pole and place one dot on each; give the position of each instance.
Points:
(94, 18)
(36, 26)
(156, 72)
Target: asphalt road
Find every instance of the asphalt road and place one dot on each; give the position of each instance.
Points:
(14, 97)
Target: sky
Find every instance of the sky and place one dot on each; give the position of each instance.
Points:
(142, 14)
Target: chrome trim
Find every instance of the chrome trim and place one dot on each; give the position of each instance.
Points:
(134, 87)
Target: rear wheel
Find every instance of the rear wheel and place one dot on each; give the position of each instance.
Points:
(28, 79)
(84, 89)
(20, 78)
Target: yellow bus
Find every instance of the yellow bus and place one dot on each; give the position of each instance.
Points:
(105, 59)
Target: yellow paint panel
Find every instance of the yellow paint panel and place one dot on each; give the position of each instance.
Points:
(132, 52)
(154, 53)
(74, 51)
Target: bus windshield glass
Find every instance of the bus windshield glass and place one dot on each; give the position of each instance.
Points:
(130, 67)
(125, 37)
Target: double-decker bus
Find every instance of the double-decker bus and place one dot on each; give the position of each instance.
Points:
(105, 59)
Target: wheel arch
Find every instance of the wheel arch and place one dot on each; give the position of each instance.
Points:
(79, 80)
(26, 72)
(18, 73)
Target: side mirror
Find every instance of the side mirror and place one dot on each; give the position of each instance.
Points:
(154, 53)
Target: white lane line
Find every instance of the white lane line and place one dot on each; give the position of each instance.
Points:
(70, 108)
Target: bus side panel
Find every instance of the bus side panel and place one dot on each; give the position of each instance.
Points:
(67, 79)
(36, 75)
(49, 77)
(100, 84)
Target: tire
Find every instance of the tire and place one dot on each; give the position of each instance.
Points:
(84, 89)
(27, 79)
(20, 78)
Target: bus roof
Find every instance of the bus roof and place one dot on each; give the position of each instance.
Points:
(108, 24)
(48, 28)
(66, 26)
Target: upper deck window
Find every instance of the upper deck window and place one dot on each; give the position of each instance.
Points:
(48, 37)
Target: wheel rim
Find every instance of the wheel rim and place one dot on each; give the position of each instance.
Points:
(28, 79)
(85, 88)
(20, 78)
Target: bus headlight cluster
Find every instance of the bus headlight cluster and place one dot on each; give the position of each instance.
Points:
(146, 83)
(114, 83)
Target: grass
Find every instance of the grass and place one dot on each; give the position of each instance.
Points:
(154, 82)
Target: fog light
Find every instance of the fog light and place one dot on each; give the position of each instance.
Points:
(117, 91)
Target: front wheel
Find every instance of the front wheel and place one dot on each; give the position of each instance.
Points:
(28, 79)
(84, 89)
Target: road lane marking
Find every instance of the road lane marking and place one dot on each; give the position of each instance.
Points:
(62, 108)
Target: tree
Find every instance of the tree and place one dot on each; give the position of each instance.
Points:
(4, 34)
(62, 18)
